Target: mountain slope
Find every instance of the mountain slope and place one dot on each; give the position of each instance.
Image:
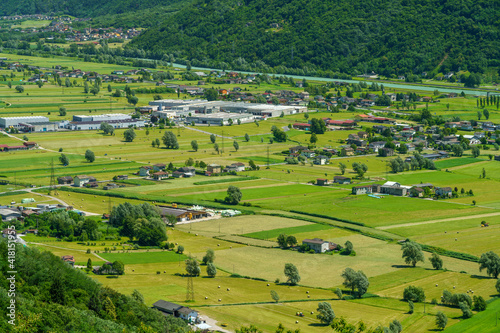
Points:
(388, 37)
(79, 8)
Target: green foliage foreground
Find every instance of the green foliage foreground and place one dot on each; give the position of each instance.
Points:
(52, 296)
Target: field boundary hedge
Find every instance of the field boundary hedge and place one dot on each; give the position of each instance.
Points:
(217, 181)
(448, 253)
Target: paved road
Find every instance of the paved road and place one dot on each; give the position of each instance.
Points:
(205, 132)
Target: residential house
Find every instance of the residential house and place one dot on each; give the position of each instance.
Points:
(177, 174)
(308, 153)
(144, 170)
(82, 180)
(122, 177)
(187, 314)
(376, 145)
(362, 135)
(296, 149)
(417, 192)
(160, 175)
(317, 244)
(443, 191)
(214, 169)
(159, 167)
(187, 171)
(30, 144)
(302, 126)
(364, 189)
(341, 180)
(321, 160)
(69, 260)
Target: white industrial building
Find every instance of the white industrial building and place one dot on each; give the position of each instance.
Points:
(95, 125)
(219, 117)
(6, 122)
(194, 108)
(103, 118)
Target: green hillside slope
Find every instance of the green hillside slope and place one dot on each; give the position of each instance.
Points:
(79, 8)
(388, 37)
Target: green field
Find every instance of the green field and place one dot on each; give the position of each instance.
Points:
(288, 231)
(450, 163)
(144, 258)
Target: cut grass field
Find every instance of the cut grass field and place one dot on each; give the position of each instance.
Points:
(485, 322)
(240, 225)
(268, 234)
(145, 257)
(454, 162)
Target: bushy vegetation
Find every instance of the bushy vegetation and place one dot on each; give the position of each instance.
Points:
(58, 298)
(326, 38)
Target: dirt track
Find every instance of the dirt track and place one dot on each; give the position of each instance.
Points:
(438, 221)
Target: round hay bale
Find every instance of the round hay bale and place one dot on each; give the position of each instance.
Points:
(218, 287)
(196, 234)
(220, 300)
(228, 289)
(436, 284)
(308, 296)
(453, 287)
(268, 284)
(296, 322)
(307, 292)
(218, 244)
(312, 312)
(206, 297)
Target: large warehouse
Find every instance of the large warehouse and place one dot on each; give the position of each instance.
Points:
(15, 122)
(219, 117)
(194, 108)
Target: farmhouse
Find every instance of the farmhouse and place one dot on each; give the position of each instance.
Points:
(144, 170)
(159, 167)
(214, 168)
(319, 245)
(364, 189)
(160, 175)
(443, 191)
(187, 171)
(82, 180)
(302, 126)
(236, 167)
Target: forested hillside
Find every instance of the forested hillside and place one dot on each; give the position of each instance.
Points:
(79, 8)
(51, 296)
(388, 37)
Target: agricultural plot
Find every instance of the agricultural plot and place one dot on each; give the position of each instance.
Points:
(274, 233)
(434, 285)
(144, 258)
(486, 321)
(373, 257)
(241, 224)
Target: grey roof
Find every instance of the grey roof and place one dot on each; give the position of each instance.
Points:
(185, 311)
(166, 306)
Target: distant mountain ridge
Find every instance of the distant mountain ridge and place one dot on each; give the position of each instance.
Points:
(388, 37)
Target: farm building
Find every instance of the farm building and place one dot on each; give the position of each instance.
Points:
(214, 168)
(182, 214)
(159, 167)
(322, 182)
(65, 180)
(46, 126)
(176, 310)
(69, 259)
(236, 167)
(341, 180)
(8, 214)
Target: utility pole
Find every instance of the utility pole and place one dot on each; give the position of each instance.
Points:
(267, 157)
(222, 149)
